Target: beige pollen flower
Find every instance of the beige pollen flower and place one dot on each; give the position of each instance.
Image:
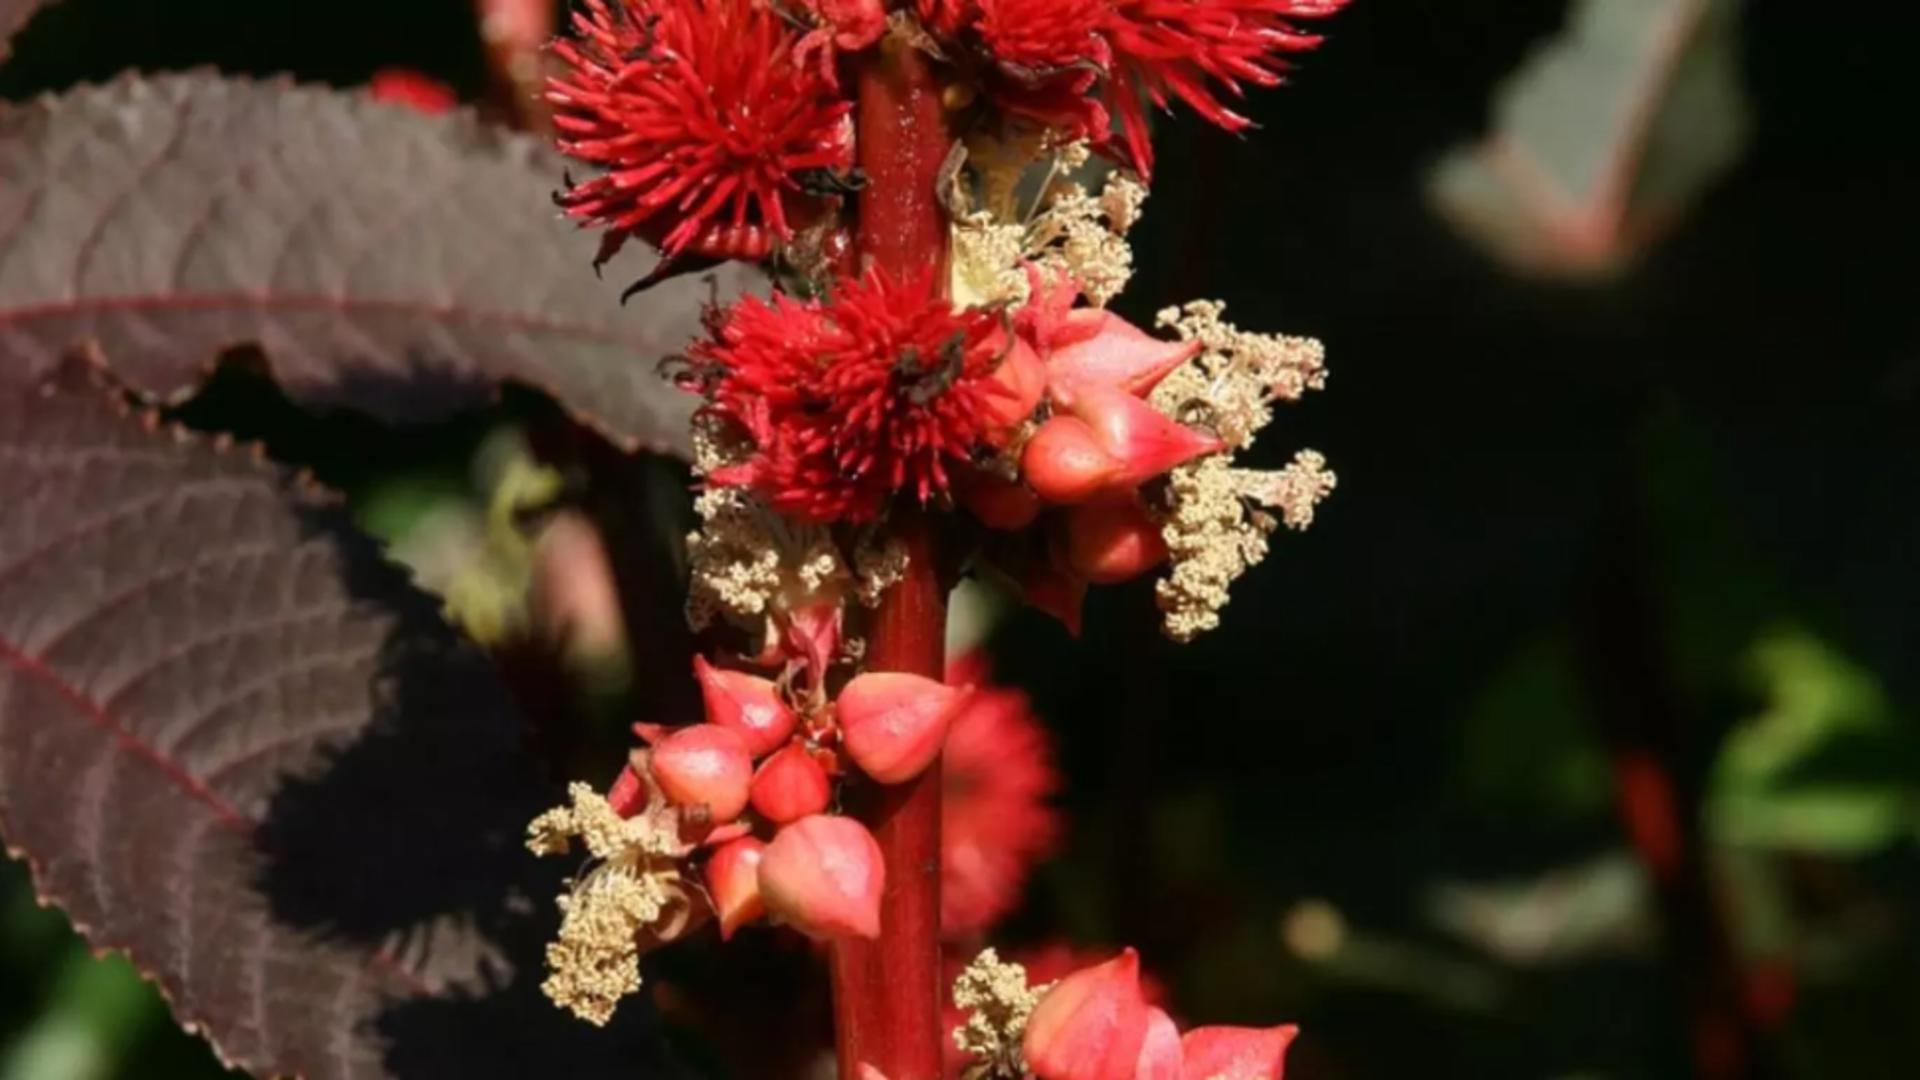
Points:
(998, 1002)
(629, 897)
(1214, 517)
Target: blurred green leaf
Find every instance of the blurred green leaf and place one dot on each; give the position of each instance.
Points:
(1527, 742)
(1826, 767)
(98, 1010)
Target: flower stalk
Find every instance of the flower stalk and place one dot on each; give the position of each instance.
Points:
(886, 992)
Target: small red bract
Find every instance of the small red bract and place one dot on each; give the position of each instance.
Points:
(883, 389)
(702, 117)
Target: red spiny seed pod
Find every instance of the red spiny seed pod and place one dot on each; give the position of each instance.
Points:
(883, 389)
(702, 118)
(1192, 49)
(704, 765)
(733, 877)
(1140, 437)
(790, 785)
(824, 875)
(1111, 542)
(1091, 1025)
(1065, 463)
(1236, 1053)
(747, 705)
(892, 724)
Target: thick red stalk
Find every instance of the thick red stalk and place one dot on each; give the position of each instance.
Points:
(887, 991)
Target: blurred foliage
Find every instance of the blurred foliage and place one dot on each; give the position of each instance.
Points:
(1827, 767)
(1380, 800)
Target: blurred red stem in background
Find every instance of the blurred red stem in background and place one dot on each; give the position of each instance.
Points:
(1657, 791)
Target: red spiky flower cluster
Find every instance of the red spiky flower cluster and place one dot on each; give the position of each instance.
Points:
(1180, 47)
(995, 817)
(879, 390)
(1052, 56)
(701, 117)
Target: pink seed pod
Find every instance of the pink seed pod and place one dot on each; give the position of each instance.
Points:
(733, 877)
(1015, 387)
(628, 795)
(1108, 543)
(1091, 1025)
(1160, 1053)
(1006, 505)
(824, 875)
(1236, 1053)
(705, 765)
(1064, 462)
(1097, 348)
(746, 704)
(790, 785)
(1140, 437)
(893, 724)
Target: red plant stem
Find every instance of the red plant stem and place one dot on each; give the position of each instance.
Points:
(887, 992)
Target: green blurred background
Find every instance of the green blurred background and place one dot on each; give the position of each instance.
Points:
(1578, 737)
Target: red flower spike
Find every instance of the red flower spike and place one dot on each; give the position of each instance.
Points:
(790, 785)
(1191, 48)
(824, 875)
(1236, 1053)
(1018, 385)
(701, 116)
(747, 705)
(1091, 1025)
(1142, 438)
(884, 388)
(995, 821)
(892, 724)
(628, 795)
(704, 765)
(1065, 463)
(1108, 543)
(999, 504)
(733, 877)
(1094, 347)
(1039, 37)
(1160, 1052)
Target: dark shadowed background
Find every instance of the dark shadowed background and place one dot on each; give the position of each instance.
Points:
(1580, 737)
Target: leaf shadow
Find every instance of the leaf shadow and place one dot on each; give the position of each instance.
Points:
(408, 842)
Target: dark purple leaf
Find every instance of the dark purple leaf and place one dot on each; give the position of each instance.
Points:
(14, 15)
(399, 264)
(239, 747)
